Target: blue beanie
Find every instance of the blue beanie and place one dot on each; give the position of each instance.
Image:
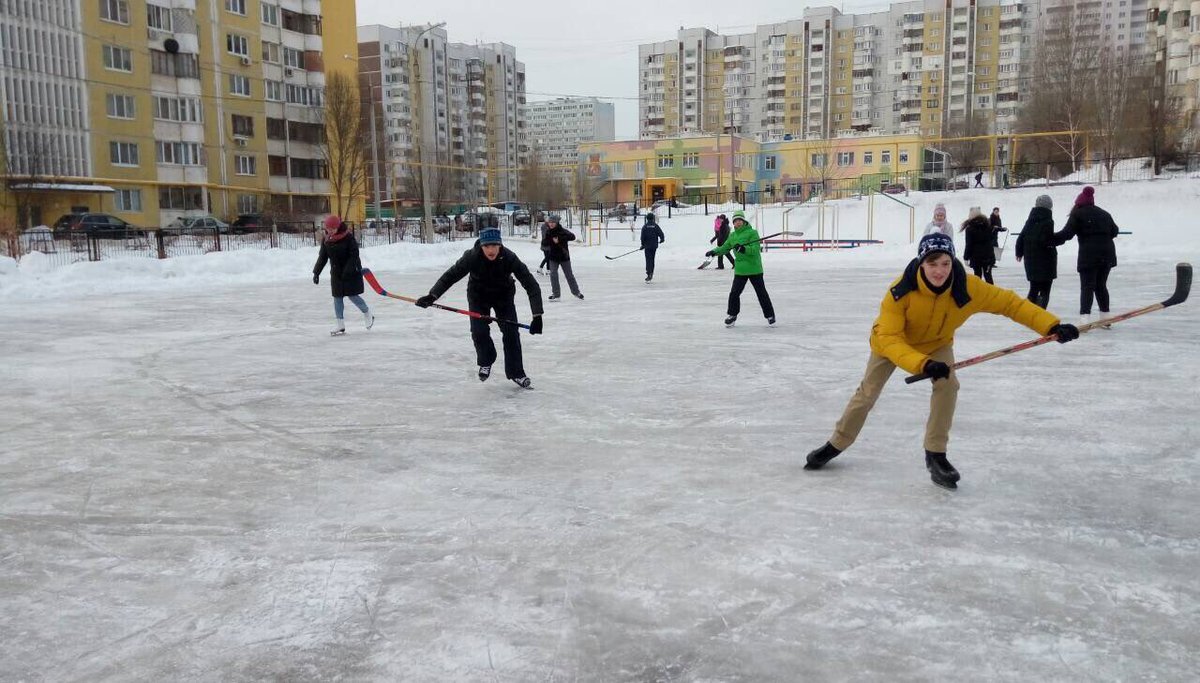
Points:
(935, 242)
(489, 236)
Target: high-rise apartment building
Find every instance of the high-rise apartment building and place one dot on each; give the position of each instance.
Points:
(927, 67)
(458, 108)
(1176, 41)
(557, 127)
(160, 109)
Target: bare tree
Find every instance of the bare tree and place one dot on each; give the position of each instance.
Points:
(1060, 95)
(1111, 115)
(965, 140)
(541, 186)
(347, 146)
(1161, 118)
(818, 164)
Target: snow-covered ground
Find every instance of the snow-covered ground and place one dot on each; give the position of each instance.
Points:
(197, 483)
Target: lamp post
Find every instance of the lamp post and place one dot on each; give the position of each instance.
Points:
(427, 226)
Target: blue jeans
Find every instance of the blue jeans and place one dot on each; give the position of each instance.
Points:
(339, 306)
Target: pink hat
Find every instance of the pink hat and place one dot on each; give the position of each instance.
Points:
(332, 223)
(1087, 197)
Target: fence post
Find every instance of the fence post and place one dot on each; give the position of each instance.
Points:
(217, 232)
(162, 246)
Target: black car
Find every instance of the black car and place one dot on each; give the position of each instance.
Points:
(96, 224)
(521, 217)
(249, 222)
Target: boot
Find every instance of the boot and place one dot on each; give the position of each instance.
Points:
(523, 382)
(818, 458)
(368, 319)
(485, 371)
(730, 320)
(940, 470)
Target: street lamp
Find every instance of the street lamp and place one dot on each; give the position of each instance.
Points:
(427, 227)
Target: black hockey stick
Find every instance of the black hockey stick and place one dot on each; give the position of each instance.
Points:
(1183, 285)
(709, 259)
(614, 258)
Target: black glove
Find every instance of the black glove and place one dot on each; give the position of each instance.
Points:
(316, 278)
(535, 325)
(936, 369)
(741, 248)
(1066, 332)
(426, 301)
(710, 253)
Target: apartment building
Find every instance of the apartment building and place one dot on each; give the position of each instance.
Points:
(459, 107)
(168, 108)
(557, 127)
(1176, 40)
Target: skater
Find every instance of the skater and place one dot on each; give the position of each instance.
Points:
(340, 250)
(979, 179)
(1036, 246)
(915, 331)
(652, 236)
(747, 268)
(997, 228)
(542, 228)
(721, 230)
(491, 267)
(554, 242)
(979, 252)
(1097, 253)
(939, 222)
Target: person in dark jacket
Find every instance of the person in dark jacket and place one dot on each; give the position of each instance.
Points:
(979, 179)
(491, 268)
(997, 226)
(1096, 231)
(1037, 247)
(340, 250)
(722, 230)
(979, 252)
(555, 243)
(652, 236)
(543, 226)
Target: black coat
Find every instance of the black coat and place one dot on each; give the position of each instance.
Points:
(557, 252)
(1037, 246)
(1096, 231)
(491, 281)
(722, 233)
(978, 252)
(652, 235)
(345, 268)
(997, 228)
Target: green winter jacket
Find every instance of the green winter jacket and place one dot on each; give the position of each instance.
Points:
(748, 262)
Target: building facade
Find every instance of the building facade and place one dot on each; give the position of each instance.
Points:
(557, 127)
(1176, 38)
(162, 109)
(459, 107)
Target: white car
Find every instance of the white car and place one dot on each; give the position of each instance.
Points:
(209, 222)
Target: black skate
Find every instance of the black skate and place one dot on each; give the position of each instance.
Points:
(485, 371)
(820, 457)
(553, 297)
(579, 296)
(940, 470)
(523, 382)
(730, 320)
(771, 321)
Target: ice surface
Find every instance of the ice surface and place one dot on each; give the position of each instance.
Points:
(198, 483)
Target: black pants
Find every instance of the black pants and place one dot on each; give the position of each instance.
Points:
(984, 272)
(760, 288)
(485, 348)
(545, 261)
(1039, 292)
(650, 259)
(1093, 282)
(721, 259)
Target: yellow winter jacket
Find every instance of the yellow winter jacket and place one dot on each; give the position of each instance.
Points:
(913, 321)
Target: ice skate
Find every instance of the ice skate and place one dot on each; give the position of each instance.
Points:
(940, 470)
(730, 320)
(820, 457)
(368, 319)
(485, 371)
(523, 382)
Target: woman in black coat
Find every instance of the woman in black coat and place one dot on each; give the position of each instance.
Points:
(1037, 247)
(340, 250)
(1096, 231)
(979, 252)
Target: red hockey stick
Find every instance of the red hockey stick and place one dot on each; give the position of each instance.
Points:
(370, 278)
(1183, 285)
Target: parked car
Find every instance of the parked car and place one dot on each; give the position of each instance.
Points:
(96, 224)
(894, 188)
(521, 217)
(249, 222)
(201, 222)
(664, 203)
(959, 185)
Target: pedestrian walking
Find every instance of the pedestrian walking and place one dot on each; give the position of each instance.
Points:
(1037, 249)
(1096, 230)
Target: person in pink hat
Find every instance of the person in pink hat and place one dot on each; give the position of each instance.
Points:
(340, 250)
(1096, 230)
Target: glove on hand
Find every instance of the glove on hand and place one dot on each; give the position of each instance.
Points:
(741, 248)
(1066, 332)
(936, 369)
(426, 301)
(710, 253)
(535, 325)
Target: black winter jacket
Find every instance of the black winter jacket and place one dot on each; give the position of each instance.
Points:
(1096, 231)
(652, 235)
(978, 252)
(722, 233)
(1036, 246)
(557, 252)
(345, 268)
(490, 281)
(997, 228)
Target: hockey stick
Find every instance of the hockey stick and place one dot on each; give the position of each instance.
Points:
(370, 278)
(614, 258)
(1183, 285)
(708, 260)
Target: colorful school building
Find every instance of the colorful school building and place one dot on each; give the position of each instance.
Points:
(718, 168)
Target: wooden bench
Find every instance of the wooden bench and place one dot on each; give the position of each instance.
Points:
(810, 245)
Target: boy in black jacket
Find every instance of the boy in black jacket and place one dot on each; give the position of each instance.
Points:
(555, 244)
(652, 236)
(491, 288)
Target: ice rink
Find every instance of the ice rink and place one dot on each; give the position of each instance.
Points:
(203, 485)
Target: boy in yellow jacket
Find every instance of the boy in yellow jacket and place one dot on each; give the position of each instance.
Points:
(915, 331)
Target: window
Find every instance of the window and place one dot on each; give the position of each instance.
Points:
(236, 6)
(180, 198)
(181, 109)
(179, 65)
(817, 160)
(885, 156)
(845, 159)
(179, 153)
(247, 203)
(293, 58)
(123, 153)
(119, 106)
(270, 14)
(274, 90)
(239, 85)
(769, 162)
(640, 169)
(985, 100)
(237, 45)
(904, 156)
(297, 94)
(245, 165)
(128, 201)
(270, 52)
(116, 11)
(243, 126)
(691, 160)
(868, 158)
(159, 17)
(117, 59)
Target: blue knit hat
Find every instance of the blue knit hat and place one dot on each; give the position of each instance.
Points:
(489, 236)
(935, 242)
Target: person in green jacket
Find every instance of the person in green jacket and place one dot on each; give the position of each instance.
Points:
(747, 268)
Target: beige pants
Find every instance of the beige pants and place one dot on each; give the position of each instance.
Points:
(879, 369)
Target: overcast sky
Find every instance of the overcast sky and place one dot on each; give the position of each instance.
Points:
(585, 48)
